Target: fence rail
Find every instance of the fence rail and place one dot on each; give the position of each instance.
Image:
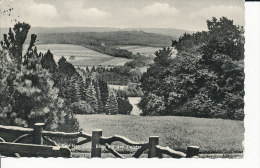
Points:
(38, 135)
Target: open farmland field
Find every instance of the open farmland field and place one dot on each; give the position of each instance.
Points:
(118, 87)
(211, 135)
(143, 50)
(81, 56)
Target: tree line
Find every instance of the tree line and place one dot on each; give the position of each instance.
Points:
(122, 75)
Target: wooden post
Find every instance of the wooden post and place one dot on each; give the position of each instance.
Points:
(37, 133)
(95, 146)
(192, 151)
(152, 152)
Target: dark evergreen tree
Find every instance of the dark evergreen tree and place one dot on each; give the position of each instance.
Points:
(104, 92)
(14, 42)
(100, 103)
(93, 69)
(87, 82)
(87, 69)
(74, 90)
(124, 106)
(48, 62)
(112, 105)
(91, 97)
(66, 68)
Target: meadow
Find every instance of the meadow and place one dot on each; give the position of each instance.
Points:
(81, 56)
(211, 135)
(147, 51)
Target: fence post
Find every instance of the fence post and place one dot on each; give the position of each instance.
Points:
(95, 146)
(37, 133)
(192, 151)
(152, 152)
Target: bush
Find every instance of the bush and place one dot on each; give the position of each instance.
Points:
(152, 105)
(124, 106)
(81, 107)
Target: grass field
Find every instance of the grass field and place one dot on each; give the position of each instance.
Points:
(118, 87)
(78, 55)
(144, 50)
(211, 135)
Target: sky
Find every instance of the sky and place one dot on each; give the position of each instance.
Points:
(181, 14)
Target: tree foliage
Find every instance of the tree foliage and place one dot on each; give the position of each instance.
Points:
(206, 79)
(112, 105)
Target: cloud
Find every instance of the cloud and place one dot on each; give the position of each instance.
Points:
(31, 12)
(152, 15)
(68, 13)
(232, 12)
(75, 13)
(191, 15)
(84, 15)
(158, 9)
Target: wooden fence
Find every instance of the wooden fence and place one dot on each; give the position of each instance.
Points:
(39, 135)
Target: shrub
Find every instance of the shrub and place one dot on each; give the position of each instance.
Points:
(81, 107)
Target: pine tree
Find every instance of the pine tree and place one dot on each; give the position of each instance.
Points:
(91, 97)
(93, 69)
(111, 105)
(48, 62)
(87, 69)
(66, 68)
(74, 90)
(81, 85)
(104, 93)
(87, 82)
(14, 42)
(100, 104)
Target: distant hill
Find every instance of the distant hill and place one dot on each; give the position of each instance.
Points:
(105, 38)
(174, 33)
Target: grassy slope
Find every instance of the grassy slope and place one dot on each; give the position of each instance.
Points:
(212, 135)
(83, 56)
(144, 50)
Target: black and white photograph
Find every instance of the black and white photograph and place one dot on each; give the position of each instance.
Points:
(122, 79)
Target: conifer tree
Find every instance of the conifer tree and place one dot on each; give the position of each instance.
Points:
(111, 105)
(48, 62)
(91, 97)
(93, 69)
(14, 42)
(104, 93)
(87, 69)
(74, 90)
(81, 85)
(100, 103)
(87, 82)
